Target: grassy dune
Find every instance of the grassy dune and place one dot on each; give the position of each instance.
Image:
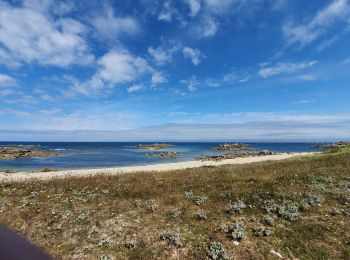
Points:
(296, 208)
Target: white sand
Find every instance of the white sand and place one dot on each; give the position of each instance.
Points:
(22, 176)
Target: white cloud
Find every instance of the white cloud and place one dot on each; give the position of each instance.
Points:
(219, 5)
(212, 83)
(237, 77)
(166, 14)
(327, 43)
(304, 34)
(115, 67)
(208, 27)
(134, 88)
(7, 81)
(193, 54)
(282, 67)
(195, 6)
(163, 55)
(120, 66)
(158, 78)
(28, 35)
(191, 84)
(47, 97)
(109, 26)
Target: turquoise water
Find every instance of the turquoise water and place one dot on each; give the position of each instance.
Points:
(74, 155)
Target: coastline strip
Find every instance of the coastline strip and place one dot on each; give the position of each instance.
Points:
(23, 176)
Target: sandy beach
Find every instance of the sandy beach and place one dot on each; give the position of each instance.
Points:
(23, 176)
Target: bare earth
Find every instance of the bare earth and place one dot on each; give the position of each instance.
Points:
(22, 176)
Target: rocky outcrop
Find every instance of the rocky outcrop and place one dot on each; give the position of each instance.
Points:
(153, 146)
(10, 152)
(221, 157)
(341, 144)
(232, 147)
(163, 155)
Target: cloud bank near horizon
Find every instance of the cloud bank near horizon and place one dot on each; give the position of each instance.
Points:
(253, 131)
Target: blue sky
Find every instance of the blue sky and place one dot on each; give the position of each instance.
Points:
(179, 70)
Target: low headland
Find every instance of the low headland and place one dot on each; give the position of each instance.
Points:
(296, 208)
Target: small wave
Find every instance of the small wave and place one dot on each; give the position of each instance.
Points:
(58, 149)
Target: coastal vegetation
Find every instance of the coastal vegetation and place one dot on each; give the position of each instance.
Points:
(295, 208)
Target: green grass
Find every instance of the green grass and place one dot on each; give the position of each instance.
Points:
(49, 213)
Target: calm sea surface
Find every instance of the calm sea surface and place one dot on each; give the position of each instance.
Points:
(94, 155)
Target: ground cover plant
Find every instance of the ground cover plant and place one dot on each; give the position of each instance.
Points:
(295, 208)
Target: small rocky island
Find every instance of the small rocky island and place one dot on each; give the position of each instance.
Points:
(153, 146)
(163, 155)
(221, 157)
(14, 152)
(341, 144)
(233, 147)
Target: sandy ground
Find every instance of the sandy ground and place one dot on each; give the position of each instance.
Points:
(23, 176)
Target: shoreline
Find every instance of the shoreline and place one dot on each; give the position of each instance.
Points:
(23, 176)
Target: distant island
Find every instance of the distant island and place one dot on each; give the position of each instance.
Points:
(232, 147)
(155, 146)
(15, 152)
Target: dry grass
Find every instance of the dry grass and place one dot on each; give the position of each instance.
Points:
(124, 216)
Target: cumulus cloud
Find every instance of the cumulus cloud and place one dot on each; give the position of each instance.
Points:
(195, 6)
(7, 81)
(162, 55)
(134, 88)
(207, 28)
(121, 66)
(109, 26)
(158, 78)
(116, 66)
(29, 34)
(319, 25)
(284, 67)
(194, 55)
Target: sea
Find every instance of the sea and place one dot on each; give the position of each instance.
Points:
(85, 155)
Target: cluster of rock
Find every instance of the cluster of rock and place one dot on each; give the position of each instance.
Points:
(10, 152)
(232, 147)
(163, 155)
(153, 146)
(221, 157)
(341, 144)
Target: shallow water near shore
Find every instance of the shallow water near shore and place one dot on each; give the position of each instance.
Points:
(83, 155)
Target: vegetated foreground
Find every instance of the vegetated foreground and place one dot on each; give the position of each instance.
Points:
(293, 208)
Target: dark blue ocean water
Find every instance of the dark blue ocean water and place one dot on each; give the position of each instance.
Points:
(74, 155)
